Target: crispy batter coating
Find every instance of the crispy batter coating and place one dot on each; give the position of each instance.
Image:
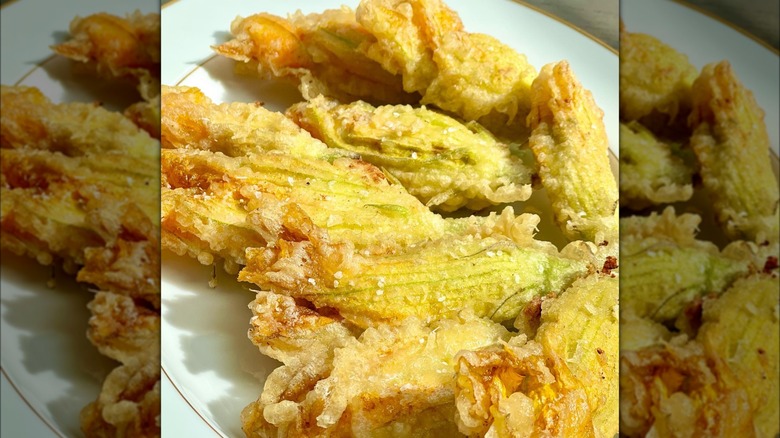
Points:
(302, 338)
(637, 333)
(568, 371)
(742, 328)
(128, 405)
(676, 389)
(722, 383)
(443, 162)
(259, 192)
(699, 327)
(479, 77)
(492, 276)
(203, 226)
(31, 121)
(662, 280)
(215, 204)
(392, 381)
(192, 121)
(114, 43)
(295, 334)
(471, 75)
(732, 145)
(317, 51)
(130, 268)
(123, 330)
(640, 232)
(118, 47)
(126, 48)
(570, 144)
(389, 51)
(665, 267)
(516, 388)
(146, 114)
(654, 78)
(55, 206)
(406, 35)
(652, 171)
(79, 187)
(339, 247)
(581, 326)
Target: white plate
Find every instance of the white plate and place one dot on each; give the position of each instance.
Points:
(50, 370)
(206, 353)
(706, 40)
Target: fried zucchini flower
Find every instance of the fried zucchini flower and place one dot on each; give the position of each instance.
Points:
(316, 51)
(122, 48)
(493, 276)
(469, 74)
(570, 144)
(655, 79)
(562, 383)
(443, 162)
(652, 172)
(394, 380)
(731, 143)
(665, 267)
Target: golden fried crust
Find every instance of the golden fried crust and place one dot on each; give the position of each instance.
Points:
(511, 389)
(118, 47)
(292, 333)
(492, 276)
(478, 76)
(46, 226)
(76, 209)
(115, 43)
(204, 225)
(128, 268)
(472, 75)
(581, 326)
(393, 380)
(146, 115)
(125, 48)
(123, 330)
(568, 371)
(128, 405)
(344, 196)
(56, 206)
(741, 327)
(79, 187)
(191, 120)
(652, 172)
(677, 389)
(250, 32)
(21, 123)
(302, 338)
(317, 51)
(31, 121)
(441, 161)
(731, 143)
(665, 267)
(570, 144)
(653, 78)
(406, 35)
(641, 232)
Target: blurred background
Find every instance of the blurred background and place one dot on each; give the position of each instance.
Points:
(600, 17)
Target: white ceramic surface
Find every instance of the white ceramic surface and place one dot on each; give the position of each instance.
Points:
(50, 370)
(206, 352)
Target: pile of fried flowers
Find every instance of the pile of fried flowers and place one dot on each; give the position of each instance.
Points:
(376, 220)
